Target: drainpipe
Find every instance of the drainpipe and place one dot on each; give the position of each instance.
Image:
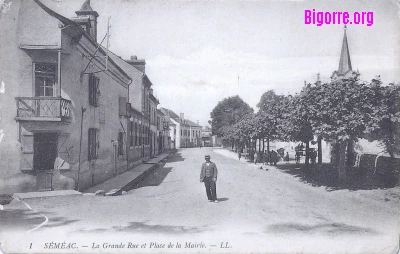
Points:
(80, 147)
(59, 72)
(114, 143)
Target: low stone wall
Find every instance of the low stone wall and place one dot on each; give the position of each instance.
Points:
(382, 165)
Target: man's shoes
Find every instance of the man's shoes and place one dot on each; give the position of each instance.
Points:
(210, 200)
(216, 201)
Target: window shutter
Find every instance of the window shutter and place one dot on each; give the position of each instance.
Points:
(97, 144)
(90, 89)
(90, 145)
(26, 161)
(96, 91)
(122, 106)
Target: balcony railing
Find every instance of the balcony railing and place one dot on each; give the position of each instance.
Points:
(43, 108)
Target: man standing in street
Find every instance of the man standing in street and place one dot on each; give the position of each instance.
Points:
(208, 175)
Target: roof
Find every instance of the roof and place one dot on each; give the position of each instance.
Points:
(86, 9)
(73, 24)
(86, 6)
(174, 116)
(188, 122)
(153, 98)
(170, 113)
(160, 112)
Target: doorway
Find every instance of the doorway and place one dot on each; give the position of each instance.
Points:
(44, 150)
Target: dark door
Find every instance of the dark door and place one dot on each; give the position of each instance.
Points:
(44, 150)
(151, 144)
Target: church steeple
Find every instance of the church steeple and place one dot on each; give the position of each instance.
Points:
(345, 70)
(345, 62)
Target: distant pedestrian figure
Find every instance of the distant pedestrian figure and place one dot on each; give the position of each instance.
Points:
(266, 158)
(274, 157)
(313, 156)
(298, 154)
(240, 155)
(255, 158)
(208, 175)
(287, 158)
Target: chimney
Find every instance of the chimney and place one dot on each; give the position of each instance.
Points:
(182, 116)
(87, 14)
(198, 122)
(140, 64)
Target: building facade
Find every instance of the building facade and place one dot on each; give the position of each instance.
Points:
(164, 140)
(61, 107)
(183, 132)
(153, 136)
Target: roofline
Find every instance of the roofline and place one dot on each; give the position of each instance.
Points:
(67, 21)
(154, 98)
(147, 80)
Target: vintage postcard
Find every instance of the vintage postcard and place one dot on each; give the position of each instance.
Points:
(194, 126)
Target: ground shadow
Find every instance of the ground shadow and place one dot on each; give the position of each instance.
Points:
(5, 199)
(323, 228)
(19, 219)
(155, 178)
(144, 228)
(327, 175)
(57, 222)
(222, 199)
(23, 219)
(176, 157)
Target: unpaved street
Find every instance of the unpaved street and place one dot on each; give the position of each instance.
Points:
(259, 211)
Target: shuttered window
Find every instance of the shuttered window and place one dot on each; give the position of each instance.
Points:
(131, 134)
(93, 145)
(136, 134)
(94, 90)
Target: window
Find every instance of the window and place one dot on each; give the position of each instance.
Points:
(94, 90)
(144, 135)
(93, 143)
(147, 135)
(136, 134)
(120, 143)
(143, 99)
(140, 134)
(181, 132)
(45, 76)
(131, 134)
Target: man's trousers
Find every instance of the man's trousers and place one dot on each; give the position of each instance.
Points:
(211, 188)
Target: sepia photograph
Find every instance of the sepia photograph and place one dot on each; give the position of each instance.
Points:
(199, 126)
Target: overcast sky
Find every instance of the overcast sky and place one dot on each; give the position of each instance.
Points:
(195, 50)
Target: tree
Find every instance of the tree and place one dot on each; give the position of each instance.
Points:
(385, 118)
(341, 112)
(226, 114)
(296, 125)
(271, 116)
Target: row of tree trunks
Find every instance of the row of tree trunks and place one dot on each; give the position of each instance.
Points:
(319, 150)
(307, 160)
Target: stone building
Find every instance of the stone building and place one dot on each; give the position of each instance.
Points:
(163, 138)
(183, 132)
(63, 110)
(153, 124)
